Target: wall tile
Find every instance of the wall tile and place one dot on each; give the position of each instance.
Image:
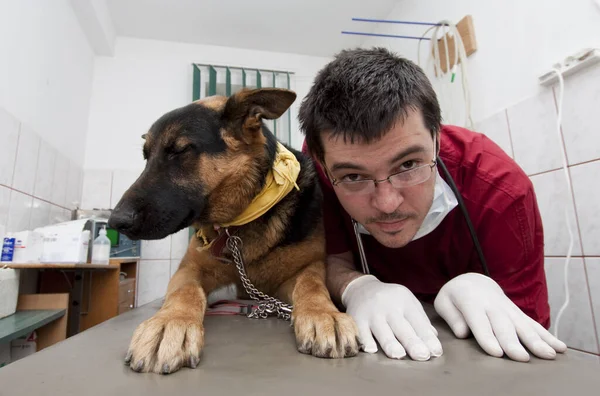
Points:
(74, 183)
(157, 249)
(576, 326)
(26, 162)
(587, 197)
(592, 265)
(533, 131)
(9, 136)
(496, 128)
(59, 180)
(174, 266)
(58, 215)
(122, 180)
(580, 115)
(40, 214)
(19, 212)
(4, 205)
(179, 243)
(553, 197)
(45, 172)
(153, 280)
(96, 189)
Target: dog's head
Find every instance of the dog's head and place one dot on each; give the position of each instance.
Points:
(204, 164)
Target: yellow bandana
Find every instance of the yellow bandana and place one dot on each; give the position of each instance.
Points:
(279, 182)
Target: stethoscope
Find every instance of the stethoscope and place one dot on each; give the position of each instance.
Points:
(461, 204)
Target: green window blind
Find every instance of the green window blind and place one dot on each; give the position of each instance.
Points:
(209, 80)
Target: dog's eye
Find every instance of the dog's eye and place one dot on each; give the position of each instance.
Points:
(175, 151)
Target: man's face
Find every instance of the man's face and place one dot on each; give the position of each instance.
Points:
(392, 215)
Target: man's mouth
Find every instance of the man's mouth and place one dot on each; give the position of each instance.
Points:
(391, 226)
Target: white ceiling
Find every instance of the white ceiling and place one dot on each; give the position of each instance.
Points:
(311, 27)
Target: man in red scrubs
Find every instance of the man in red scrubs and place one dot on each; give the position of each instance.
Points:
(372, 122)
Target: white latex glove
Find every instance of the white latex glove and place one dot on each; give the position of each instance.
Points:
(394, 316)
(476, 302)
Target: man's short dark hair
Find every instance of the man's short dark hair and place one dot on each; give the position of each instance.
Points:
(361, 94)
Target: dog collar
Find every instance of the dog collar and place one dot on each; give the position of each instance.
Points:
(280, 180)
(217, 245)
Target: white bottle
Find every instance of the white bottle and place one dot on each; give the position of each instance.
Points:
(101, 248)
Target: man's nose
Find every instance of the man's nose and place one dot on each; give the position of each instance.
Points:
(386, 198)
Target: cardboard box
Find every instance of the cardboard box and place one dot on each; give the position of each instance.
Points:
(28, 247)
(23, 347)
(66, 247)
(67, 242)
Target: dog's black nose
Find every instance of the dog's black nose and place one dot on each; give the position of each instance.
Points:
(122, 218)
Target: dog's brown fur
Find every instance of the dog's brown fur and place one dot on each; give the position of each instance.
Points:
(228, 179)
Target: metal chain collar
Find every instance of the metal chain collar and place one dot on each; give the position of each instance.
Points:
(267, 305)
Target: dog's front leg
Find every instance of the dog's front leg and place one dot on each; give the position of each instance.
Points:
(174, 336)
(320, 328)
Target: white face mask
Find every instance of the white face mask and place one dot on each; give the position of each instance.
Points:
(444, 201)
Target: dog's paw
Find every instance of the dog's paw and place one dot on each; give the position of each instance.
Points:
(165, 343)
(328, 334)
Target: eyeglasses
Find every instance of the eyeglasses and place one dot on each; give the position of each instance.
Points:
(401, 179)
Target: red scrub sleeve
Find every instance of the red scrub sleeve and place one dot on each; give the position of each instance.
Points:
(512, 241)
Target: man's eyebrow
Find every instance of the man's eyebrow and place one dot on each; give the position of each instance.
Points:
(347, 165)
(407, 151)
(417, 148)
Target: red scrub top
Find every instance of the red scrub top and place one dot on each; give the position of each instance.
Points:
(502, 205)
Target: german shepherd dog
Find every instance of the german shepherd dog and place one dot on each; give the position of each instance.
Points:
(205, 162)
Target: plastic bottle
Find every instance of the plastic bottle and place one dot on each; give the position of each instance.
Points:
(101, 248)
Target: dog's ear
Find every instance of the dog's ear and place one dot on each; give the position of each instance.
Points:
(245, 110)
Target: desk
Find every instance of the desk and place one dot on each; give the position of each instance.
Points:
(90, 302)
(258, 357)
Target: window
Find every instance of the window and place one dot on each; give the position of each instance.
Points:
(212, 80)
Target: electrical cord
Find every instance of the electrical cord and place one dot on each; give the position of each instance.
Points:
(463, 208)
(460, 59)
(570, 194)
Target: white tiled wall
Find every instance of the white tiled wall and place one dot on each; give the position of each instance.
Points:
(532, 136)
(9, 136)
(153, 279)
(28, 153)
(38, 185)
(553, 196)
(586, 185)
(496, 128)
(581, 116)
(533, 130)
(577, 323)
(96, 192)
(160, 258)
(45, 172)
